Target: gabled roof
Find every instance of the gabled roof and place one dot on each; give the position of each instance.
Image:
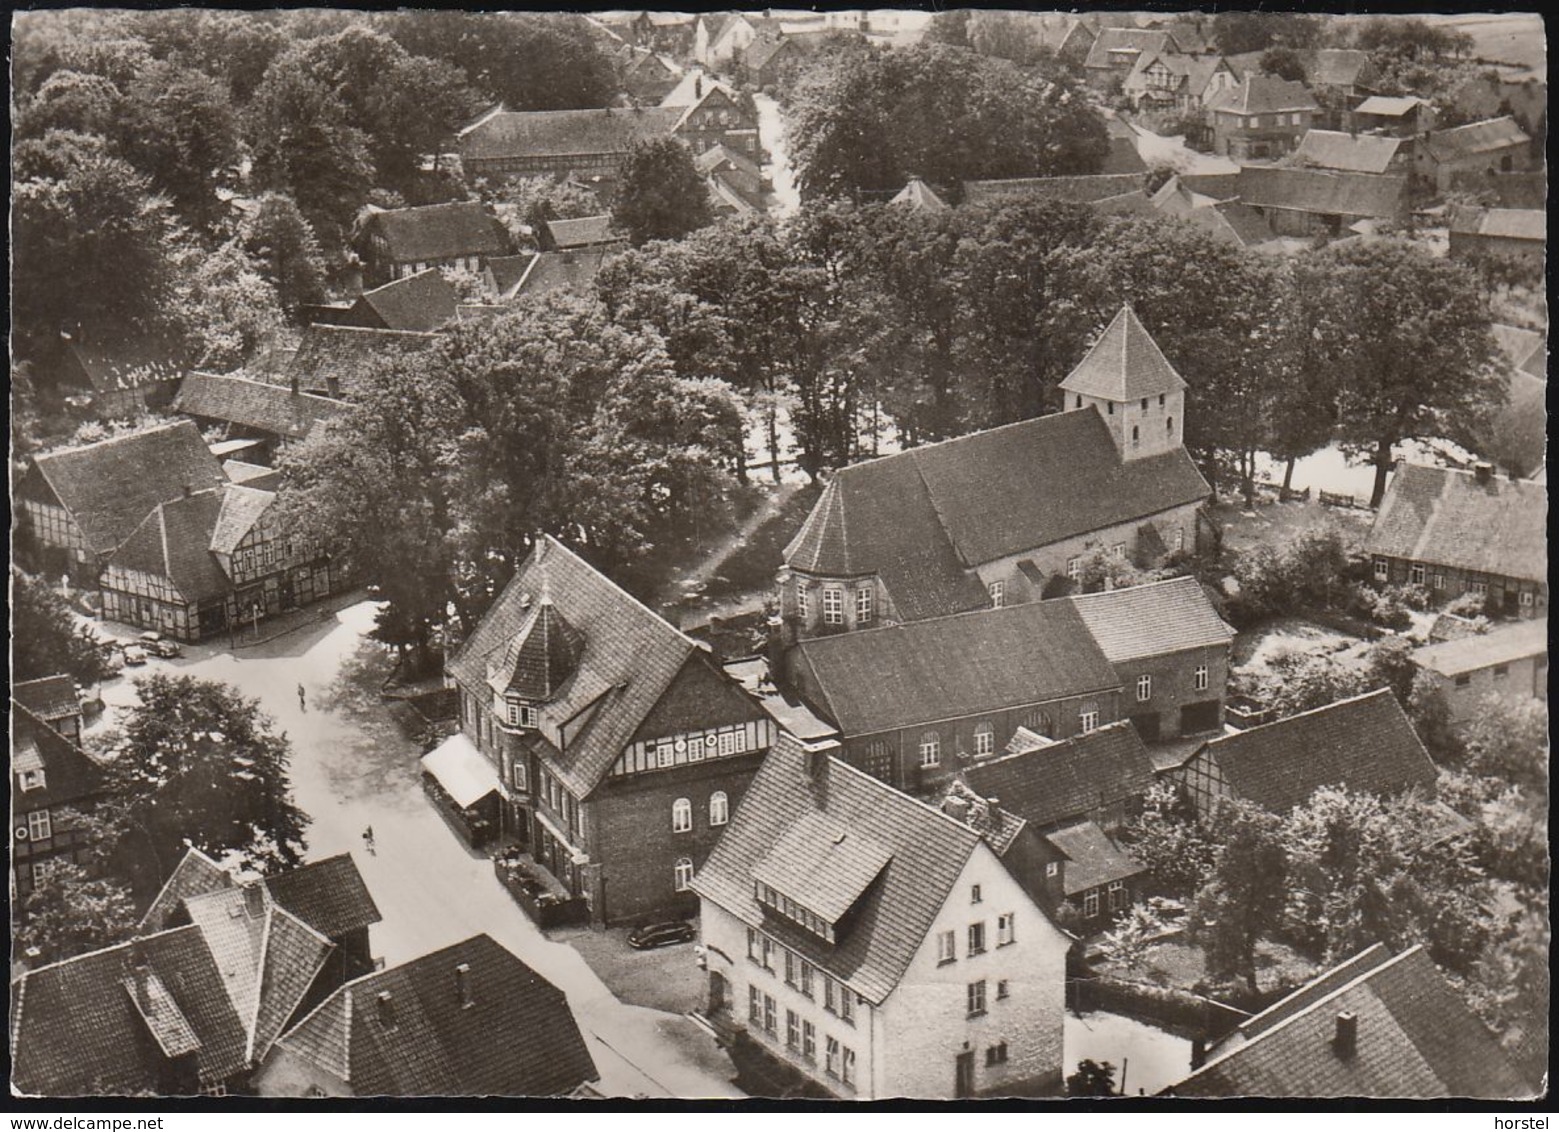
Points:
(1339, 66)
(241, 509)
(435, 232)
(627, 660)
(1445, 517)
(584, 232)
(953, 667)
(69, 774)
(1349, 153)
(573, 272)
(565, 133)
(78, 1029)
(51, 697)
(111, 486)
(763, 50)
(1322, 191)
(1066, 781)
(1084, 189)
(516, 1038)
(343, 355)
(695, 86)
(1194, 72)
(823, 865)
(1414, 1038)
(254, 405)
(195, 875)
(1519, 640)
(1504, 223)
(1124, 364)
(1112, 42)
(174, 542)
(1264, 94)
(252, 475)
(926, 851)
(721, 154)
(1475, 137)
(1092, 858)
(1365, 744)
(424, 301)
(1155, 619)
(1383, 106)
(328, 895)
(114, 359)
(917, 196)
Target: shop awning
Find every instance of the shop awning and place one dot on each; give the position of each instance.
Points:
(462, 770)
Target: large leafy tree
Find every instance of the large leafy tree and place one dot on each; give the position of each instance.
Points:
(660, 195)
(196, 764)
(285, 250)
(181, 131)
(1244, 900)
(73, 912)
(45, 638)
(1407, 335)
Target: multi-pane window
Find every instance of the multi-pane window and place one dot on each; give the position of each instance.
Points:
(977, 937)
(998, 592)
(682, 874)
(1144, 688)
(1006, 928)
(752, 945)
(754, 1006)
(1382, 570)
(1117, 895)
(1415, 573)
(833, 605)
(665, 753)
(770, 1014)
(681, 816)
(1118, 552)
(719, 808)
(984, 740)
(791, 959)
(1199, 678)
(946, 947)
(768, 954)
(1527, 597)
(1074, 568)
(847, 1004)
(806, 978)
(1088, 718)
(996, 1054)
(1180, 539)
(801, 600)
(39, 827)
(863, 605)
(520, 714)
(1437, 582)
(809, 1041)
(831, 1057)
(930, 748)
(830, 990)
(792, 1030)
(977, 998)
(1091, 902)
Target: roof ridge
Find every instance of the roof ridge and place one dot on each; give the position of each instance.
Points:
(955, 439)
(121, 438)
(900, 796)
(111, 947)
(1372, 693)
(1136, 586)
(687, 640)
(259, 987)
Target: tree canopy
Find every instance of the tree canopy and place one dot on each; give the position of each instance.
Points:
(660, 195)
(45, 639)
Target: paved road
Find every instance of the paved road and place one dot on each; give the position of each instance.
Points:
(353, 768)
(771, 135)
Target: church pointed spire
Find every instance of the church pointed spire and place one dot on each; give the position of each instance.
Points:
(1124, 364)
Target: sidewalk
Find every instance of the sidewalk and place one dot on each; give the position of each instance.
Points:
(273, 627)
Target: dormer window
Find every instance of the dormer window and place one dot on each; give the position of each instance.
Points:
(31, 780)
(794, 912)
(518, 713)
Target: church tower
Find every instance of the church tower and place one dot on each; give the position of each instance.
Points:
(1132, 386)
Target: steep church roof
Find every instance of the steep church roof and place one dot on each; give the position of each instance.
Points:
(1125, 364)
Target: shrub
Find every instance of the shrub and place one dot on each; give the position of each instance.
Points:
(1469, 605)
(1412, 595)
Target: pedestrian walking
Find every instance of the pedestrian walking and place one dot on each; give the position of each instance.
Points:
(302, 699)
(368, 840)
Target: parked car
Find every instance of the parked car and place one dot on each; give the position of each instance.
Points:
(135, 656)
(660, 935)
(158, 645)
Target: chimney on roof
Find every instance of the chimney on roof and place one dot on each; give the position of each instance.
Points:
(993, 814)
(189, 489)
(386, 1010)
(463, 985)
(1484, 473)
(254, 899)
(1346, 1040)
(814, 763)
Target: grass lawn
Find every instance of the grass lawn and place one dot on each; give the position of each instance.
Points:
(1273, 524)
(666, 978)
(1183, 965)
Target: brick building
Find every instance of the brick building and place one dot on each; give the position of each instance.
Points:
(618, 746)
(871, 946)
(1263, 117)
(1498, 145)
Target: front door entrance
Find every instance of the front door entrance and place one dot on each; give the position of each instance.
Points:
(963, 1086)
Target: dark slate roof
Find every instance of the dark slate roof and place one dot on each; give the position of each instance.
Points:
(1321, 190)
(565, 133)
(329, 895)
(540, 657)
(584, 232)
(627, 660)
(50, 697)
(921, 519)
(1264, 94)
(823, 865)
(1153, 620)
(440, 231)
(1063, 782)
(1502, 223)
(195, 875)
(1518, 640)
(1475, 137)
(1445, 517)
(954, 667)
(293, 954)
(113, 360)
(252, 475)
(1415, 1038)
(344, 354)
(926, 849)
(69, 774)
(424, 301)
(1124, 364)
(573, 272)
(517, 1037)
(1365, 743)
(111, 486)
(1349, 153)
(508, 270)
(174, 542)
(1339, 66)
(1085, 189)
(76, 1029)
(242, 507)
(1116, 40)
(254, 404)
(721, 154)
(1092, 858)
(762, 51)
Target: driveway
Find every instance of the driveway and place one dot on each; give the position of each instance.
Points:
(353, 768)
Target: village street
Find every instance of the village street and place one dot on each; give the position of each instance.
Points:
(353, 768)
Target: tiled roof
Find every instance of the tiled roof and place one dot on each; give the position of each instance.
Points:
(254, 404)
(918, 197)
(174, 542)
(195, 875)
(252, 475)
(1321, 190)
(435, 232)
(565, 133)
(1349, 153)
(1445, 517)
(584, 232)
(508, 270)
(823, 865)
(920, 519)
(242, 508)
(1504, 223)
(1068, 780)
(721, 154)
(1116, 40)
(1124, 364)
(725, 196)
(694, 87)
(1475, 137)
(81, 1033)
(628, 659)
(1414, 1038)
(1365, 744)
(927, 851)
(1525, 350)
(343, 355)
(1338, 66)
(111, 486)
(1322, 986)
(424, 301)
(1092, 858)
(762, 51)
(292, 954)
(329, 895)
(954, 667)
(1195, 71)
(516, 1038)
(1248, 225)
(573, 272)
(1516, 641)
(69, 774)
(1388, 107)
(1264, 94)
(1152, 620)
(1084, 189)
(541, 656)
(113, 360)
(1519, 431)
(50, 697)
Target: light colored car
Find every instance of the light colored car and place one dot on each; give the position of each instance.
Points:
(135, 656)
(158, 645)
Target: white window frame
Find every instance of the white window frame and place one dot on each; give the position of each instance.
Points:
(801, 600)
(1007, 928)
(1052, 868)
(977, 938)
(31, 779)
(665, 753)
(40, 825)
(1091, 902)
(719, 808)
(1074, 568)
(864, 609)
(998, 592)
(808, 1040)
(1382, 570)
(1479, 588)
(831, 1056)
(1116, 893)
(1528, 598)
(946, 947)
(975, 998)
(1088, 718)
(682, 874)
(682, 816)
(1144, 688)
(1199, 678)
(833, 605)
(847, 1065)
(1416, 574)
(930, 749)
(984, 739)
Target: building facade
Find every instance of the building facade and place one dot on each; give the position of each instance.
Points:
(1263, 117)
(51, 778)
(1510, 660)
